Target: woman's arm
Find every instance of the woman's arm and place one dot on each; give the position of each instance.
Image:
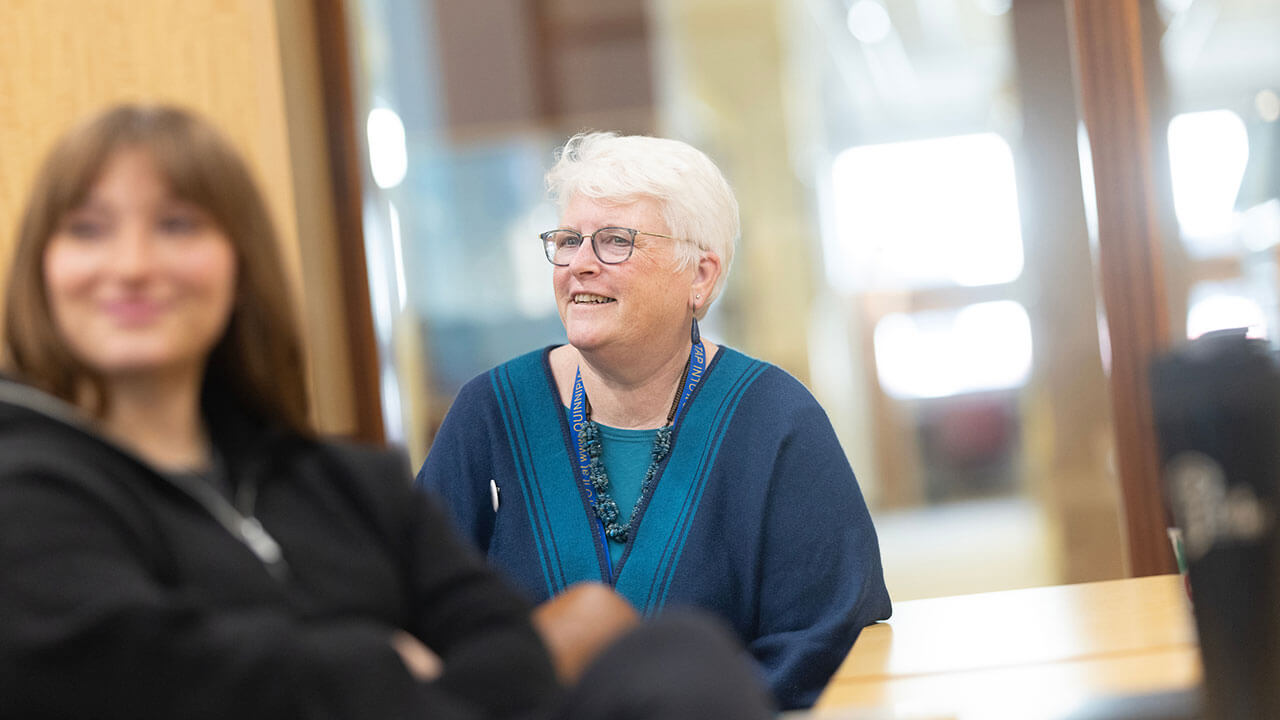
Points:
(821, 580)
(477, 623)
(579, 623)
(87, 629)
(458, 468)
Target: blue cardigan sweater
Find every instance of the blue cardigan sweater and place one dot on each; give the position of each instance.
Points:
(755, 516)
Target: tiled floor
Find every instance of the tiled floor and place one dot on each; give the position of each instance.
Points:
(974, 546)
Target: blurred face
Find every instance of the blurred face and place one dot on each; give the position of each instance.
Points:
(138, 281)
(641, 304)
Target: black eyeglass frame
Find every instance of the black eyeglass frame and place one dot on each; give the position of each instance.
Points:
(548, 248)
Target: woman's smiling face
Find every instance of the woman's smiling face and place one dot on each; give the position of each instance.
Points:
(637, 305)
(137, 280)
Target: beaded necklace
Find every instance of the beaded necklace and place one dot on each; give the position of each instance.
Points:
(590, 451)
(605, 507)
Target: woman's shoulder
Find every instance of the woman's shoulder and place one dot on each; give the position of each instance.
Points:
(40, 430)
(21, 403)
(768, 382)
(51, 460)
(366, 460)
(374, 479)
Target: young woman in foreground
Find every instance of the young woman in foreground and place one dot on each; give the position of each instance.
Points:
(174, 540)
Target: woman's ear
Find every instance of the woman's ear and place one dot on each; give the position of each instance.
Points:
(705, 275)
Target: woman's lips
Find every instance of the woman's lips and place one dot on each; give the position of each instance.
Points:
(133, 312)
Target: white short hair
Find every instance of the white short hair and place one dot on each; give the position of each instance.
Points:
(696, 201)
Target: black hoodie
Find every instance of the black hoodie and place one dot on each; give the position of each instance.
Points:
(125, 593)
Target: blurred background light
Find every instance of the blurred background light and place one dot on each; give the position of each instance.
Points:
(1268, 104)
(942, 211)
(1213, 309)
(995, 8)
(387, 155)
(939, 353)
(1173, 7)
(869, 21)
(397, 257)
(1208, 152)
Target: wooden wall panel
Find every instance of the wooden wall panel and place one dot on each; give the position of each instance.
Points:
(61, 60)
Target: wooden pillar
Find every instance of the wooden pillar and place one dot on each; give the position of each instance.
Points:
(733, 65)
(337, 157)
(1113, 93)
(1067, 423)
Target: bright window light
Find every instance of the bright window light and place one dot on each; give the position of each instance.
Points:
(1267, 103)
(1173, 7)
(532, 273)
(397, 255)
(939, 353)
(1260, 225)
(995, 8)
(869, 21)
(1084, 151)
(925, 213)
(1217, 306)
(1208, 152)
(387, 155)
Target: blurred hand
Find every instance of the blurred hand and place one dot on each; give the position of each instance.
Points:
(580, 622)
(421, 663)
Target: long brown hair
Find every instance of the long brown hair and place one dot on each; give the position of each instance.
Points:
(258, 362)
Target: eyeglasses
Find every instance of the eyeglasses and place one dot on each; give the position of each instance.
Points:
(611, 244)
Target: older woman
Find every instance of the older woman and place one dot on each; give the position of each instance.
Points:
(681, 472)
(176, 543)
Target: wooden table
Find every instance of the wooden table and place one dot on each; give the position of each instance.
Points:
(1039, 652)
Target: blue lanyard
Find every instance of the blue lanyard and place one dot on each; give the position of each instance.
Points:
(578, 418)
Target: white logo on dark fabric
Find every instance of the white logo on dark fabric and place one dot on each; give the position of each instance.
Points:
(1209, 512)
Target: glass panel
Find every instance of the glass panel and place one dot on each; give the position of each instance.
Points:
(904, 241)
(1229, 304)
(458, 278)
(942, 353)
(1208, 152)
(1223, 66)
(942, 193)
(969, 235)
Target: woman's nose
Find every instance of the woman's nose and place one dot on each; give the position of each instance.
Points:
(584, 258)
(134, 254)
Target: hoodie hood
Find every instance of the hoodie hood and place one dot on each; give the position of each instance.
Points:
(21, 403)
